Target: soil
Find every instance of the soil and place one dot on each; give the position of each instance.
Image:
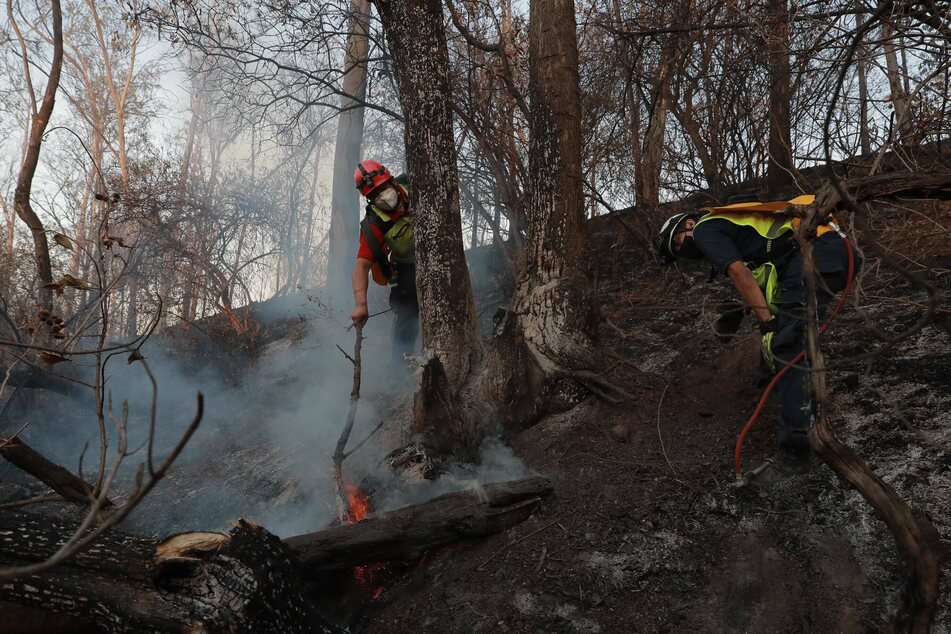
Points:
(645, 532)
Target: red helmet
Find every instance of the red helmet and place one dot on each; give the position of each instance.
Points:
(369, 175)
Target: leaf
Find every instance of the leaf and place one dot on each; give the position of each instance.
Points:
(52, 358)
(75, 282)
(64, 241)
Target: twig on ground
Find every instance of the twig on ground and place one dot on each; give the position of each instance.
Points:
(660, 436)
(518, 541)
(85, 535)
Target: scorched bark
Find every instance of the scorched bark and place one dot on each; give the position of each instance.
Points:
(417, 41)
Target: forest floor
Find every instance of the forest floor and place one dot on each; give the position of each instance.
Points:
(645, 532)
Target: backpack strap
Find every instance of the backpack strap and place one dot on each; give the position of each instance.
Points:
(378, 253)
(777, 251)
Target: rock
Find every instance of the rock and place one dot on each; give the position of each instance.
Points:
(621, 433)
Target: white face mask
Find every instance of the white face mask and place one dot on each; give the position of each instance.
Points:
(387, 200)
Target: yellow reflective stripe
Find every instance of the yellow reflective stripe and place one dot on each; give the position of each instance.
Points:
(767, 278)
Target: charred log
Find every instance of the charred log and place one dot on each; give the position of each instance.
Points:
(247, 580)
(71, 487)
(241, 581)
(407, 533)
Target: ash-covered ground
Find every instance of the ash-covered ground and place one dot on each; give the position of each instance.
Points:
(644, 532)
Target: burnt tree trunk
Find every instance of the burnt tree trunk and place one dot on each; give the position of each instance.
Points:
(546, 333)
(417, 40)
(345, 201)
(242, 581)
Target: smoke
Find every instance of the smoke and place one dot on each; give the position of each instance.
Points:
(264, 446)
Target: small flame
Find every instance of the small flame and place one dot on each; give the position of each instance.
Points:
(367, 577)
(358, 503)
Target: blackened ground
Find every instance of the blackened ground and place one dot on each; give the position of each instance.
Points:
(645, 533)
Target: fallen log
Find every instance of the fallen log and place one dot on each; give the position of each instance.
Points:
(242, 581)
(407, 533)
(247, 580)
(24, 457)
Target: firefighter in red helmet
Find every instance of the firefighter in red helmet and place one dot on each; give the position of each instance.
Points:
(386, 251)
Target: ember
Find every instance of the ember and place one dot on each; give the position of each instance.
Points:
(368, 577)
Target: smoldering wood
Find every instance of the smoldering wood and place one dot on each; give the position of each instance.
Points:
(71, 487)
(405, 534)
(244, 580)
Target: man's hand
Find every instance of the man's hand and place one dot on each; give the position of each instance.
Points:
(360, 314)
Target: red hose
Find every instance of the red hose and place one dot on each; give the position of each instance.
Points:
(738, 451)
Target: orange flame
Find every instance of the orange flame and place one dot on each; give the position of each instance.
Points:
(367, 577)
(357, 502)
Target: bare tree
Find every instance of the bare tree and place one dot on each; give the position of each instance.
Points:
(38, 123)
(345, 205)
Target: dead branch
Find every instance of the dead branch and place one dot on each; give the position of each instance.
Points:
(69, 486)
(343, 508)
(913, 536)
(85, 534)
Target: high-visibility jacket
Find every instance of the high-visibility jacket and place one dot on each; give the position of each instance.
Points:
(767, 219)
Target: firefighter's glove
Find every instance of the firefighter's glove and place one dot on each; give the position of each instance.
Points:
(769, 361)
(768, 329)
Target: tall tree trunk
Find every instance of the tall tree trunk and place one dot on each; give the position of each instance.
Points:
(24, 188)
(345, 201)
(865, 138)
(780, 163)
(545, 335)
(898, 95)
(652, 154)
(417, 41)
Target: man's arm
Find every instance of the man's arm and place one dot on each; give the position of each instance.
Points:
(745, 283)
(360, 281)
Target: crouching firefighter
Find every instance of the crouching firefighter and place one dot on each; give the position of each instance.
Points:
(754, 244)
(386, 251)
